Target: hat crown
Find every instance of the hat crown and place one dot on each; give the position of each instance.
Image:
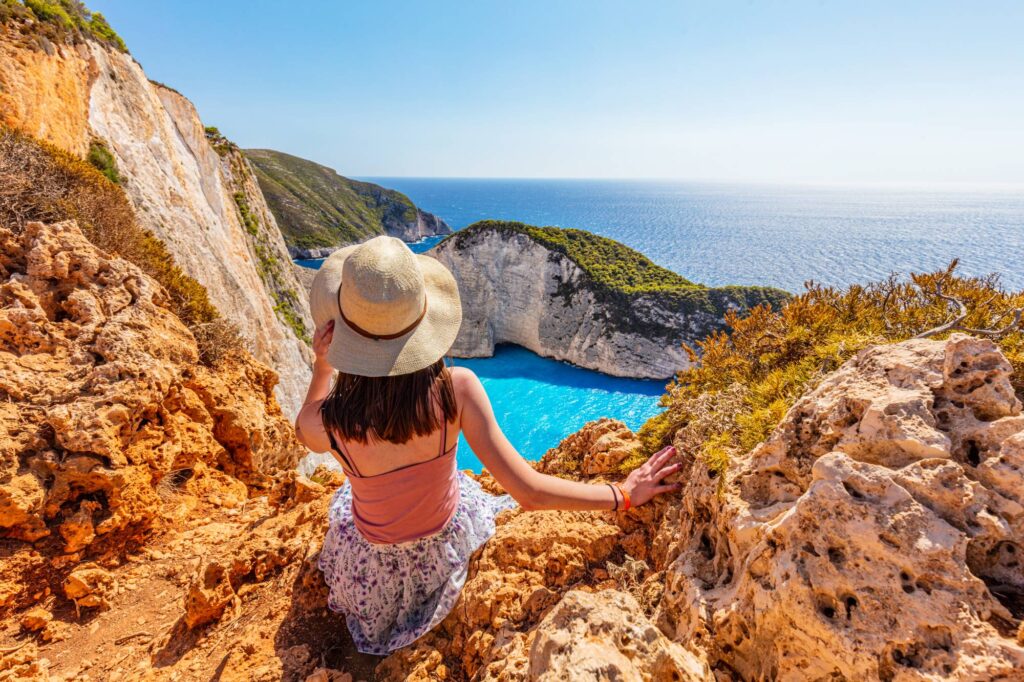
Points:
(382, 287)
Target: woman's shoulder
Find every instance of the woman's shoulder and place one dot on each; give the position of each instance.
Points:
(464, 379)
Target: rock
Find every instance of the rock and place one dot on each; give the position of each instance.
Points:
(35, 619)
(605, 636)
(24, 663)
(184, 191)
(110, 411)
(329, 675)
(209, 596)
(89, 585)
(515, 289)
(596, 449)
(869, 537)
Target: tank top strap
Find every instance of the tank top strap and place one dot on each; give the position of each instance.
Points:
(444, 437)
(341, 453)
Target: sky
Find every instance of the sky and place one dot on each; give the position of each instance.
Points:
(757, 91)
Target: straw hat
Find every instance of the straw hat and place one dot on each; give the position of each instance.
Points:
(394, 312)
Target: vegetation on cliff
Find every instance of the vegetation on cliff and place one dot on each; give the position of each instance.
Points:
(272, 269)
(68, 21)
(748, 377)
(621, 276)
(316, 208)
(41, 182)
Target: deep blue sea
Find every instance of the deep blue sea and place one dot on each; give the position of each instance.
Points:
(716, 235)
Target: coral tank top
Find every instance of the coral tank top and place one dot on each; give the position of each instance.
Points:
(406, 503)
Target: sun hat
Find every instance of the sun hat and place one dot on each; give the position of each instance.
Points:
(394, 312)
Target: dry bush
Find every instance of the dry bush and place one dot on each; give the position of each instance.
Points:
(218, 341)
(746, 379)
(41, 182)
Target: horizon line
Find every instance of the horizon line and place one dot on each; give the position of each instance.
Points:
(1008, 185)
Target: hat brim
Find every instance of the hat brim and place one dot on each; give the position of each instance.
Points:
(428, 342)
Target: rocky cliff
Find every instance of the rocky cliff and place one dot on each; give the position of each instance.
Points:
(202, 202)
(875, 535)
(574, 296)
(320, 211)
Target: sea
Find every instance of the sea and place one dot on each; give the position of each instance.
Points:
(715, 234)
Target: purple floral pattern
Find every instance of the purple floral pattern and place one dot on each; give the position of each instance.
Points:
(393, 594)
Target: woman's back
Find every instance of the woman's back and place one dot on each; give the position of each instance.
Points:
(398, 494)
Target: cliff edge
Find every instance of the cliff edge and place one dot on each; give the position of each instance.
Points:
(88, 96)
(574, 296)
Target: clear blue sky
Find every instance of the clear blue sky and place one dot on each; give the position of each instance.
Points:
(753, 91)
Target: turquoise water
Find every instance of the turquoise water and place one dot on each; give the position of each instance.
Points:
(538, 401)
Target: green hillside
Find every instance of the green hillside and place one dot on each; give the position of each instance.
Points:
(316, 208)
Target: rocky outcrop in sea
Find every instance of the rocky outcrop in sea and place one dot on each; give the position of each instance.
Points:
(519, 285)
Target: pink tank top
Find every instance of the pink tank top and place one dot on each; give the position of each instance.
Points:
(407, 503)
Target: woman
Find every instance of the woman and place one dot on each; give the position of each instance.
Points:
(406, 520)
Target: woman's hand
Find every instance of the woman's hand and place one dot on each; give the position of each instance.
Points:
(322, 340)
(645, 482)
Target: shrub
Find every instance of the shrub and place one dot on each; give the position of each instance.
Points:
(745, 380)
(41, 182)
(65, 20)
(103, 160)
(218, 341)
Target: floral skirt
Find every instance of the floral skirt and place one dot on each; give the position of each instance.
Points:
(392, 594)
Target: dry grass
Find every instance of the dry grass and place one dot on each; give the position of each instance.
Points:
(41, 182)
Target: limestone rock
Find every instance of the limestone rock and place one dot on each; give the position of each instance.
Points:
(516, 290)
(36, 619)
(869, 537)
(605, 636)
(88, 585)
(596, 449)
(209, 596)
(182, 189)
(110, 411)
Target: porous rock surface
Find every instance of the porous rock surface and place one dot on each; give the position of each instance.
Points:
(877, 534)
(106, 411)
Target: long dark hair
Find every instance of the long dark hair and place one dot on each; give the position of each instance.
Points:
(393, 408)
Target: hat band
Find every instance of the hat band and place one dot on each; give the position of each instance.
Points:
(384, 337)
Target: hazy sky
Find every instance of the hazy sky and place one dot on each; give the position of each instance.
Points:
(756, 91)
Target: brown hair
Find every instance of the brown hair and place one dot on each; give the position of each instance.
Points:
(394, 408)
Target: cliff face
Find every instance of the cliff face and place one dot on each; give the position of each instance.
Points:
(320, 211)
(876, 535)
(183, 190)
(517, 289)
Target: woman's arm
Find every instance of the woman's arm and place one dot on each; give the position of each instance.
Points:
(532, 489)
(308, 427)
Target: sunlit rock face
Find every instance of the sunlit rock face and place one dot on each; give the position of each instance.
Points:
(183, 190)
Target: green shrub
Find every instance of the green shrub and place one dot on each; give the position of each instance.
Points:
(41, 182)
(744, 381)
(66, 20)
(103, 160)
